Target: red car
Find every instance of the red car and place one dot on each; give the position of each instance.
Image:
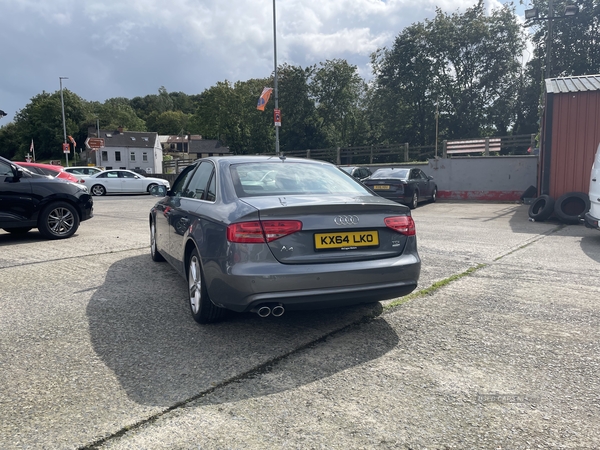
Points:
(48, 169)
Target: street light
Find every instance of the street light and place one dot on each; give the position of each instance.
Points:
(533, 15)
(275, 93)
(62, 104)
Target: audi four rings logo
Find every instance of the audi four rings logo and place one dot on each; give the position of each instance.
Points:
(346, 220)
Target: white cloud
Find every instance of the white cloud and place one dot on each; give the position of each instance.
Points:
(112, 48)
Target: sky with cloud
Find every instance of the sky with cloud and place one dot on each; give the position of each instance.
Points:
(129, 48)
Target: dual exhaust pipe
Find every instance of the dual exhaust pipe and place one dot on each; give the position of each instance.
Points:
(266, 309)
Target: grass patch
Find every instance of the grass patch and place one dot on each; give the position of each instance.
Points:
(433, 288)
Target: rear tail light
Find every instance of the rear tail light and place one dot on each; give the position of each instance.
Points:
(261, 231)
(402, 224)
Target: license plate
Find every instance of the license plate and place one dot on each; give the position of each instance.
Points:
(350, 239)
(381, 186)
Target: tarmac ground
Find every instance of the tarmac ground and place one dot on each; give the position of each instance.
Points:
(497, 349)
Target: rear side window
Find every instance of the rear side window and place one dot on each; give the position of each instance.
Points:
(292, 178)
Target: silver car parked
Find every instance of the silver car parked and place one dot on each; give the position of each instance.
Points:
(269, 234)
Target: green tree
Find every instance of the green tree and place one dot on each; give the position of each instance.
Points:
(467, 64)
(171, 122)
(575, 47)
(338, 89)
(301, 126)
(117, 112)
(41, 120)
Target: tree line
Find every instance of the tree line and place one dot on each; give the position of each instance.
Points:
(461, 74)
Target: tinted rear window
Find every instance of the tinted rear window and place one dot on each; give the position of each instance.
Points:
(292, 178)
(390, 173)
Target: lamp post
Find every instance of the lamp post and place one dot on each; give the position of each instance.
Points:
(62, 104)
(275, 92)
(533, 15)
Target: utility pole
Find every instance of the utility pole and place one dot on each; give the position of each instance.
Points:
(275, 93)
(62, 104)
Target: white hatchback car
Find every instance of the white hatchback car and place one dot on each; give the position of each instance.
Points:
(120, 181)
(592, 217)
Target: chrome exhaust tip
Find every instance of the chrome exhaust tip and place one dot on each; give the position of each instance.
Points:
(263, 311)
(278, 310)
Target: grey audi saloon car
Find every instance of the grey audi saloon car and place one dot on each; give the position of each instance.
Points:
(270, 234)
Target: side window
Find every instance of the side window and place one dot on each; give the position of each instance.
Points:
(112, 174)
(128, 175)
(5, 170)
(199, 183)
(182, 180)
(414, 174)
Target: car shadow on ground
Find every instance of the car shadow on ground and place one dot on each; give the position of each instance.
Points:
(590, 245)
(141, 328)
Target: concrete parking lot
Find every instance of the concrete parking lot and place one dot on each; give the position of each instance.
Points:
(499, 349)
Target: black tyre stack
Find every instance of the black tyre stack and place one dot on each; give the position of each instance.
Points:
(568, 208)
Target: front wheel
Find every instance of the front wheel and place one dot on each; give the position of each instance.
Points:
(98, 190)
(58, 220)
(434, 195)
(150, 186)
(203, 310)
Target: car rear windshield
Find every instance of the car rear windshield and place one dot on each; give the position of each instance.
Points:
(292, 178)
(401, 174)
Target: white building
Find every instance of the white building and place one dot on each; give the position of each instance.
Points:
(129, 150)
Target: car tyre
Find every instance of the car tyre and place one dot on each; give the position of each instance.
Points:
(98, 190)
(541, 208)
(414, 202)
(202, 308)
(571, 206)
(150, 186)
(434, 195)
(20, 230)
(58, 220)
(156, 256)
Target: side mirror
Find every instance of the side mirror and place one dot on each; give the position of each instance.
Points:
(18, 173)
(430, 177)
(158, 191)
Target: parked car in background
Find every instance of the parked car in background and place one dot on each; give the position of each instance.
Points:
(31, 200)
(266, 234)
(82, 171)
(120, 181)
(48, 169)
(592, 217)
(357, 172)
(408, 185)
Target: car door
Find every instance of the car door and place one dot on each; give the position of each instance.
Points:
(425, 184)
(131, 182)
(166, 207)
(110, 180)
(17, 203)
(194, 199)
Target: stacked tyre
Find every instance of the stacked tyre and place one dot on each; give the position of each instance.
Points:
(568, 208)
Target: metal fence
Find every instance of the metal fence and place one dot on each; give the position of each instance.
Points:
(401, 153)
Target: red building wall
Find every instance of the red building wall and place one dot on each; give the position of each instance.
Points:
(572, 140)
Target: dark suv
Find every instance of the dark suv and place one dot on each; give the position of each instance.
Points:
(29, 200)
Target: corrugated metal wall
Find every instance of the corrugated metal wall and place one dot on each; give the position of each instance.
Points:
(570, 139)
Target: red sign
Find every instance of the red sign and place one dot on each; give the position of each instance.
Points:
(277, 117)
(95, 143)
(66, 148)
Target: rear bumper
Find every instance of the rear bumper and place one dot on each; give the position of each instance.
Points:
(591, 221)
(297, 286)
